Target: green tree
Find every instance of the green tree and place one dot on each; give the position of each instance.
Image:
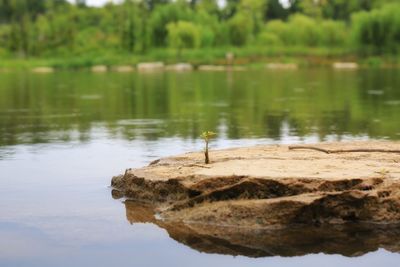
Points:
(254, 10)
(183, 34)
(312, 8)
(162, 16)
(129, 24)
(377, 31)
(240, 29)
(275, 10)
(247, 22)
(229, 9)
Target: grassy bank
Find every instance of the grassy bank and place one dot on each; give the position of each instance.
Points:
(249, 56)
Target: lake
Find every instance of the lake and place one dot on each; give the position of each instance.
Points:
(64, 135)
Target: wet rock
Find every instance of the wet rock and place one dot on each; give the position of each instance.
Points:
(43, 70)
(150, 66)
(126, 68)
(179, 67)
(345, 65)
(284, 66)
(270, 186)
(212, 68)
(99, 68)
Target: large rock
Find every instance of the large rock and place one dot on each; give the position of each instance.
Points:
(123, 68)
(212, 68)
(345, 65)
(271, 186)
(99, 68)
(150, 66)
(43, 70)
(179, 67)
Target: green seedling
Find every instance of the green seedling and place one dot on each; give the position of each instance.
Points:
(207, 136)
(383, 172)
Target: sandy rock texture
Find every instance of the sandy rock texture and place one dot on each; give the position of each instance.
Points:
(271, 187)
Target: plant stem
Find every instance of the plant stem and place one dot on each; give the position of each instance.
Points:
(207, 159)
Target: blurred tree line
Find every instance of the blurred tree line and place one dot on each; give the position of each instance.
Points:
(59, 28)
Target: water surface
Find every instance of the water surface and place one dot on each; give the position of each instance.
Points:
(64, 135)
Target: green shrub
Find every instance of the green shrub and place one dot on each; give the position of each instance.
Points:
(183, 34)
(240, 29)
(279, 29)
(333, 33)
(164, 15)
(304, 30)
(268, 39)
(378, 31)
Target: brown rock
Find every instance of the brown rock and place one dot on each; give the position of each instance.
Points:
(282, 66)
(271, 186)
(345, 65)
(150, 66)
(99, 68)
(179, 67)
(43, 70)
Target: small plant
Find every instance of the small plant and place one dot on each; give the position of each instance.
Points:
(383, 172)
(207, 136)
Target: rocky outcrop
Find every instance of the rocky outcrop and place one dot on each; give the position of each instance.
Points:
(271, 187)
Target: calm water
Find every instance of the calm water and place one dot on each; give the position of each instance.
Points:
(64, 135)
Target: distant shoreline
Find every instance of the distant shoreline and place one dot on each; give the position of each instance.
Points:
(241, 59)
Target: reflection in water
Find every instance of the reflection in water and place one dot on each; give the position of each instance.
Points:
(308, 102)
(348, 240)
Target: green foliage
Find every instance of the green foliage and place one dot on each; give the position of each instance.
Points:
(254, 11)
(209, 27)
(333, 33)
(240, 29)
(275, 10)
(335, 9)
(183, 34)
(374, 62)
(207, 135)
(268, 39)
(280, 29)
(164, 15)
(155, 29)
(304, 30)
(301, 30)
(312, 8)
(378, 31)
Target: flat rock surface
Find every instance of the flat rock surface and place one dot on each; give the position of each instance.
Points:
(271, 186)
